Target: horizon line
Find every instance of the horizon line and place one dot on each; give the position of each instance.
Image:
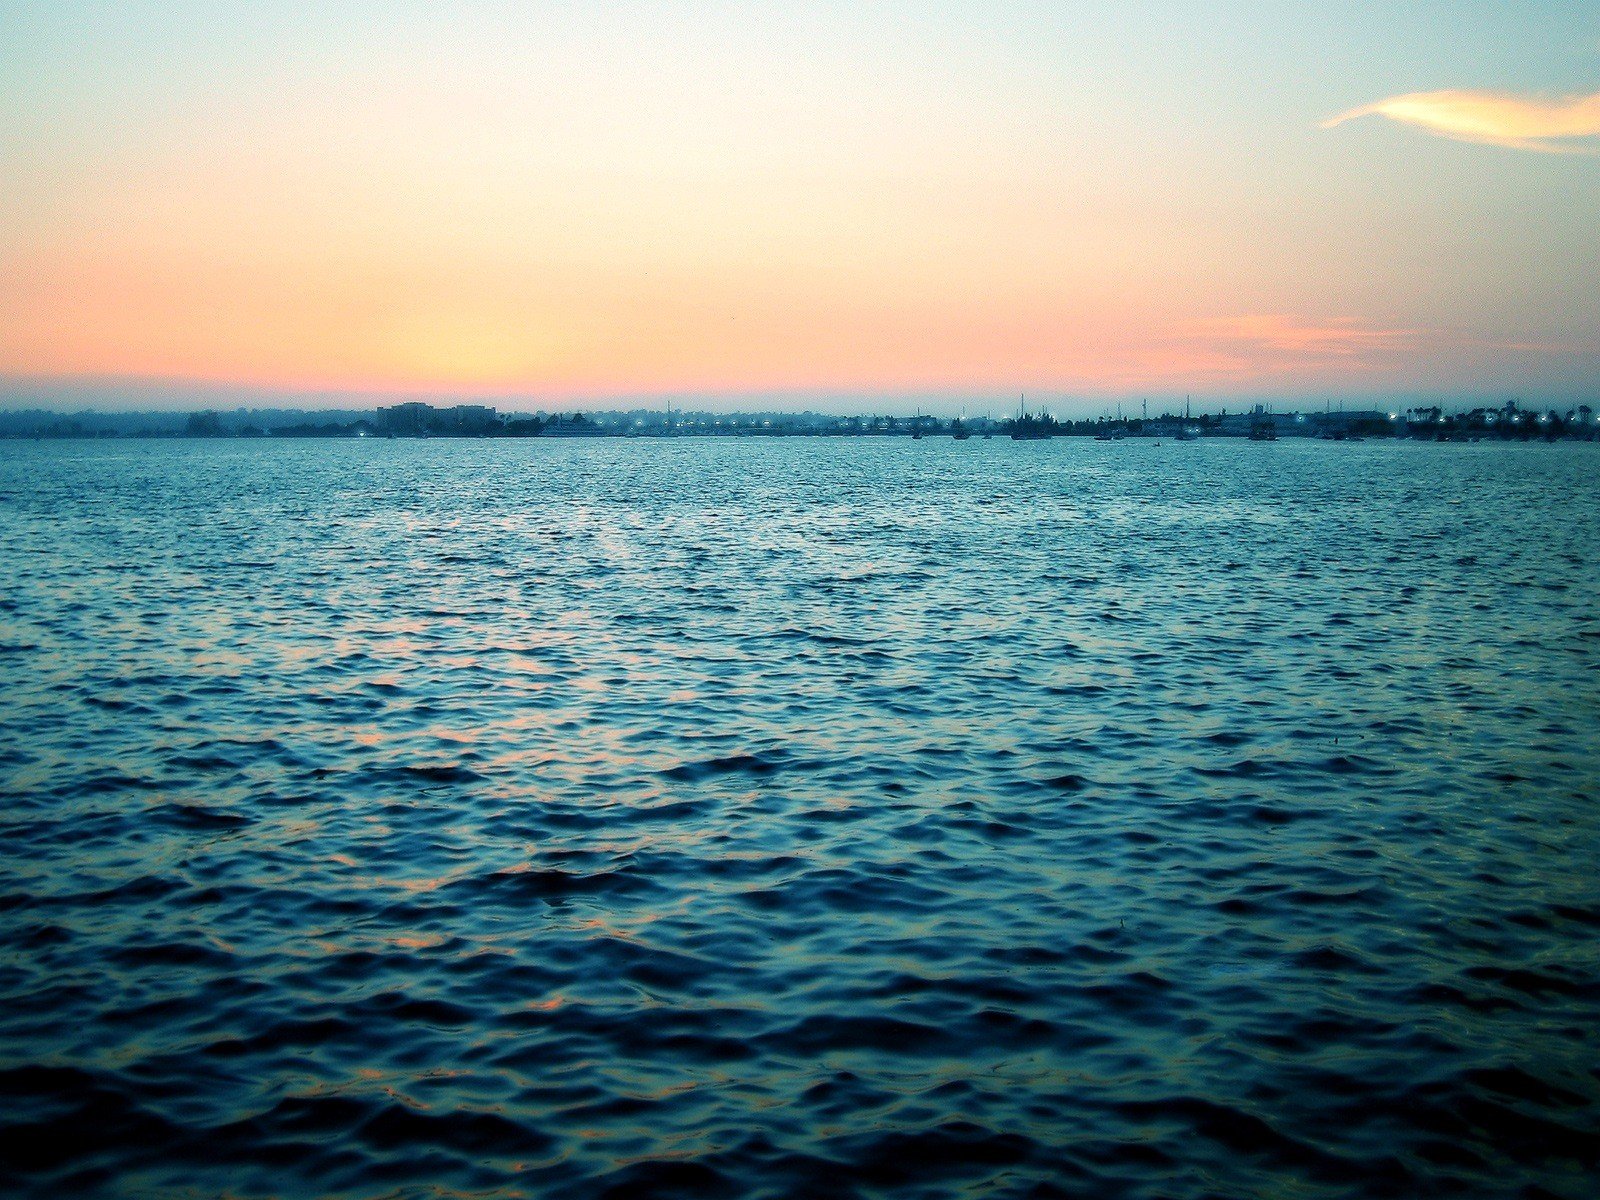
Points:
(112, 394)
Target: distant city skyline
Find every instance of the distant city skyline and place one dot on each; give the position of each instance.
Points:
(842, 208)
(72, 396)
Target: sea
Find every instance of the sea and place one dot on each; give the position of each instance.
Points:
(799, 817)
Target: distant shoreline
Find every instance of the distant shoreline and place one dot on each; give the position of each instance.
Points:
(418, 421)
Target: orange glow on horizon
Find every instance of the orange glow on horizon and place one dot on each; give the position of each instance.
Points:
(375, 329)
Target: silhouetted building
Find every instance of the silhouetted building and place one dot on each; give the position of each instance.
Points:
(417, 419)
(411, 419)
(468, 419)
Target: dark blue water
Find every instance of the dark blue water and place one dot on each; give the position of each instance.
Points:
(782, 818)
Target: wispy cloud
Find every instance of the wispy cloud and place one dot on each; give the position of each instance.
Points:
(1263, 347)
(1496, 118)
(1336, 337)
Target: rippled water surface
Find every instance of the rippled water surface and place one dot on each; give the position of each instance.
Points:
(799, 818)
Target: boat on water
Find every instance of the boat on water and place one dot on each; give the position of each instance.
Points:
(959, 430)
(1187, 432)
(1031, 427)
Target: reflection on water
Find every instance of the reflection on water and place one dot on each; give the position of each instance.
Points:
(799, 819)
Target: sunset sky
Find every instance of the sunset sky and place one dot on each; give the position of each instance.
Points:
(838, 205)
